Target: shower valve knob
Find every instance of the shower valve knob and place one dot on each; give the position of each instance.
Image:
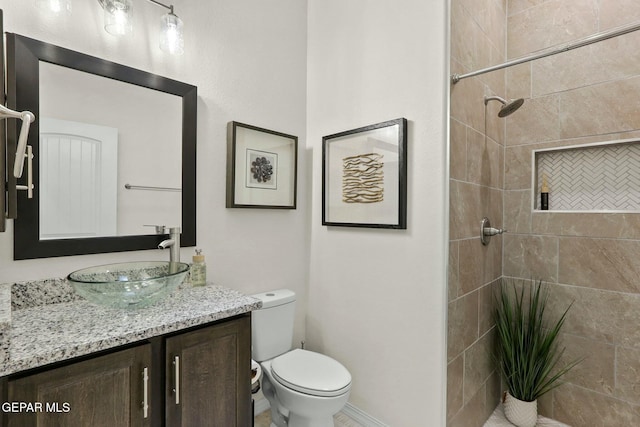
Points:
(486, 231)
(490, 231)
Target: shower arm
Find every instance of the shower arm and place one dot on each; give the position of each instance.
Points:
(598, 37)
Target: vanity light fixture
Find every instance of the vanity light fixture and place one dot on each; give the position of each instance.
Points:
(55, 6)
(118, 15)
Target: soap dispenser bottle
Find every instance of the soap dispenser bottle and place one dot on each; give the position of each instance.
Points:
(198, 269)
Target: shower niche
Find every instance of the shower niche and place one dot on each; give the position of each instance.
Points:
(598, 177)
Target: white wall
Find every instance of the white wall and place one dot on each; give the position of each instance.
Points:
(248, 59)
(377, 297)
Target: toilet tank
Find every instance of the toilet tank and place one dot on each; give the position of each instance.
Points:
(272, 325)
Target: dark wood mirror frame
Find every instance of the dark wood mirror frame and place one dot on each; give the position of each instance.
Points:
(23, 57)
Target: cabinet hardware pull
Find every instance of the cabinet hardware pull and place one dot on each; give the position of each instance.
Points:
(176, 390)
(145, 392)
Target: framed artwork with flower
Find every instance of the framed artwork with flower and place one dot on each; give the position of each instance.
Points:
(364, 176)
(262, 168)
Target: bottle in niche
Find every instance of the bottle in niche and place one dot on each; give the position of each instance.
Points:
(198, 269)
(544, 194)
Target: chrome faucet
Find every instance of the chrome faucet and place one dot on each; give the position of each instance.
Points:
(173, 243)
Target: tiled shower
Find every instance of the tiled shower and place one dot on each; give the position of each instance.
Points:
(585, 96)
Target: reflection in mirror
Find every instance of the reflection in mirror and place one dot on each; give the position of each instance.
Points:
(114, 149)
(130, 135)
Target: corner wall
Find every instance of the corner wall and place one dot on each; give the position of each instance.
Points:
(377, 297)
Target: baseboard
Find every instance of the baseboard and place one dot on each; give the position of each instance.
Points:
(361, 417)
(356, 414)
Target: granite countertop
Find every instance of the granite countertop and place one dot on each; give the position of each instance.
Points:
(41, 334)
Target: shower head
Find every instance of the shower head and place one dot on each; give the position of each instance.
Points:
(508, 107)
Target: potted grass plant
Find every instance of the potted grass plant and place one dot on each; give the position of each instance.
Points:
(528, 352)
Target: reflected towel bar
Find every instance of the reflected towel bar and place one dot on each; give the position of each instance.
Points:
(144, 187)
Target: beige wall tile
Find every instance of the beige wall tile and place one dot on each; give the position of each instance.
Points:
(628, 375)
(477, 33)
(517, 211)
(598, 109)
(550, 23)
(494, 125)
(467, 102)
(519, 81)
(619, 12)
(610, 317)
(531, 257)
(490, 17)
(463, 32)
(478, 365)
(479, 264)
(495, 81)
(462, 324)
(580, 407)
(538, 120)
(485, 160)
(600, 263)
(469, 203)
(611, 225)
(472, 414)
(455, 378)
(517, 6)
(517, 168)
(453, 278)
(601, 62)
(597, 369)
(494, 392)
(545, 404)
(458, 151)
(464, 207)
(487, 306)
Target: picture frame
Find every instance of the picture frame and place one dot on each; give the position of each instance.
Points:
(262, 168)
(364, 176)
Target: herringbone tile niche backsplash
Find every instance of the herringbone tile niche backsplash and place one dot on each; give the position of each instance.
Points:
(592, 178)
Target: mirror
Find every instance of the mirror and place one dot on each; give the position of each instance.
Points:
(107, 143)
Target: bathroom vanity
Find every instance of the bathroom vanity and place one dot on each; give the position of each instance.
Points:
(185, 361)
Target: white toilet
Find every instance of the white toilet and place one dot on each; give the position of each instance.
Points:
(305, 389)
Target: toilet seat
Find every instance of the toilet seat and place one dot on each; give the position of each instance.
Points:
(311, 373)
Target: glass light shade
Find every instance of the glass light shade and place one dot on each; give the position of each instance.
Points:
(55, 6)
(118, 17)
(171, 38)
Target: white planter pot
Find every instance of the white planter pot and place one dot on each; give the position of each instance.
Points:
(519, 412)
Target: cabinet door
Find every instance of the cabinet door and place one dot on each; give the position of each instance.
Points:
(105, 391)
(209, 376)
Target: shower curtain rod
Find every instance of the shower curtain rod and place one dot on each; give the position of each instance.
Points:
(618, 31)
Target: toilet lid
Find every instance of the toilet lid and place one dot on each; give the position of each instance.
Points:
(311, 373)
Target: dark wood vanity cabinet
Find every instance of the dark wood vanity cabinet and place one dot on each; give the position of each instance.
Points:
(204, 368)
(105, 391)
(197, 378)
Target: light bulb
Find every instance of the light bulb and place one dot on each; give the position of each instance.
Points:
(118, 17)
(171, 38)
(55, 6)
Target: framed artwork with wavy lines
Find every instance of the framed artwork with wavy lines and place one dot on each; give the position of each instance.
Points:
(364, 176)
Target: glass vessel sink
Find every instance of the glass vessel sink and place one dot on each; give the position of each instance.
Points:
(130, 284)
